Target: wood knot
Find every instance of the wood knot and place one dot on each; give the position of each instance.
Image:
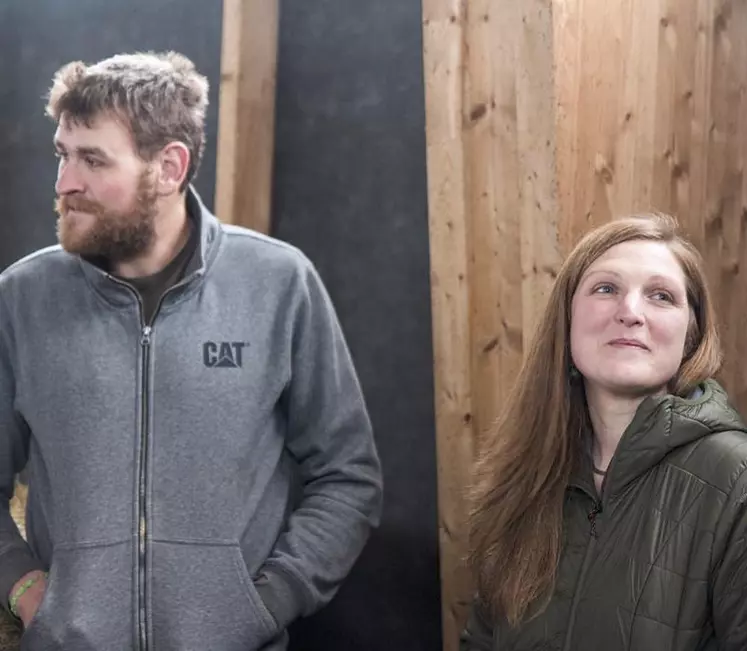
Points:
(478, 112)
(490, 345)
(679, 170)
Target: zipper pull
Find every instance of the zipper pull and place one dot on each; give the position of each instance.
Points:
(596, 510)
(145, 337)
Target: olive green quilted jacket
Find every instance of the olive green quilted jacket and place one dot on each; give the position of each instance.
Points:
(659, 561)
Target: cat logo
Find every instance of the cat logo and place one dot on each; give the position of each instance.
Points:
(224, 354)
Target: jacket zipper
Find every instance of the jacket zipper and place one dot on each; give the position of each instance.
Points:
(596, 509)
(146, 334)
(145, 341)
(592, 517)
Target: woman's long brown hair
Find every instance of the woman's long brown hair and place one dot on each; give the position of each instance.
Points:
(525, 464)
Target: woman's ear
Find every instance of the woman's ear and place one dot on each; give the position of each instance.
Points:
(691, 337)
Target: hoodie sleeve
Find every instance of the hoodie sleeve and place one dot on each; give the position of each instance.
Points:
(16, 558)
(330, 436)
(730, 576)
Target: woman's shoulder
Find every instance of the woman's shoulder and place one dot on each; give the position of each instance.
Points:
(718, 455)
(718, 459)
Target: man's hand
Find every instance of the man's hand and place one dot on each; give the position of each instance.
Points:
(31, 599)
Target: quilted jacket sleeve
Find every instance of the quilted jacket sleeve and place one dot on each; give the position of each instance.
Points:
(478, 634)
(730, 576)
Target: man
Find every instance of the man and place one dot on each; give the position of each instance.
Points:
(201, 465)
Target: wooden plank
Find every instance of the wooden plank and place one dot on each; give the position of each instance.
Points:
(246, 122)
(701, 120)
(489, 146)
(493, 254)
(443, 52)
(713, 152)
(682, 18)
(228, 111)
(595, 128)
(739, 382)
(536, 126)
(568, 41)
(726, 180)
(499, 242)
(641, 96)
(665, 42)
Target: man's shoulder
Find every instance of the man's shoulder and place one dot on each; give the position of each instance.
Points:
(246, 237)
(43, 265)
(254, 247)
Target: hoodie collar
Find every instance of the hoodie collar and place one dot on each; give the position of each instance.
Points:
(119, 293)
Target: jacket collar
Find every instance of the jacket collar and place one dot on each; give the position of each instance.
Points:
(661, 425)
(119, 293)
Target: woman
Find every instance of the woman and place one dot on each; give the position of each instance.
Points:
(610, 504)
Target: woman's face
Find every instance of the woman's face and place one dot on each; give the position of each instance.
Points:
(629, 319)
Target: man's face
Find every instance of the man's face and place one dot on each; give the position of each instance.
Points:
(106, 198)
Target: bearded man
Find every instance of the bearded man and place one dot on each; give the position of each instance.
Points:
(200, 462)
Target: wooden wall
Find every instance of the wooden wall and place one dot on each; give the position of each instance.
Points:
(246, 128)
(652, 114)
(544, 118)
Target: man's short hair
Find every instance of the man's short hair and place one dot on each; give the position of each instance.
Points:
(160, 96)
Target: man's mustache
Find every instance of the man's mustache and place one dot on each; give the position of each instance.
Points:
(65, 204)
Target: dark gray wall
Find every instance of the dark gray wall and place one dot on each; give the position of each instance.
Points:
(350, 190)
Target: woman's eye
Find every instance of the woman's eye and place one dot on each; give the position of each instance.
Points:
(663, 296)
(604, 288)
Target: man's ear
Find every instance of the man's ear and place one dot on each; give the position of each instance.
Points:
(172, 170)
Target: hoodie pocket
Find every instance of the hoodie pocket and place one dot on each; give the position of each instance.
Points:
(204, 598)
(88, 602)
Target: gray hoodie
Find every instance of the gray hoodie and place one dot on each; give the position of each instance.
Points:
(162, 460)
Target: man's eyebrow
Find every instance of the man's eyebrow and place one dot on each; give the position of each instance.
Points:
(91, 151)
(82, 151)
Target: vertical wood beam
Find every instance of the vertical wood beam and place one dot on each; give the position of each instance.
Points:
(246, 123)
(443, 48)
(490, 127)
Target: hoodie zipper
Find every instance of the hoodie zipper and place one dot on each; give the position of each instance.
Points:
(145, 345)
(146, 341)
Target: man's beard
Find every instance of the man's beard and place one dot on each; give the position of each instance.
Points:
(118, 236)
